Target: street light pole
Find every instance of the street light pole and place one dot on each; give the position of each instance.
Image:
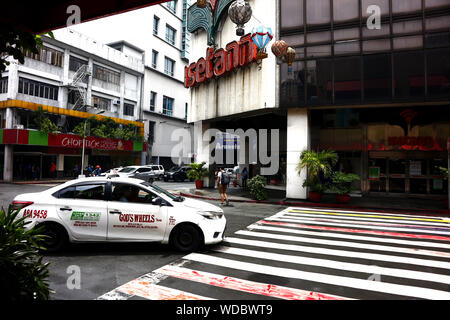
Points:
(84, 142)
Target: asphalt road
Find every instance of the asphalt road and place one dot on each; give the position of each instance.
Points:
(103, 267)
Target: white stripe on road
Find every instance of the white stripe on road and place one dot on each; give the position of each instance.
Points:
(374, 213)
(365, 226)
(355, 267)
(391, 221)
(342, 253)
(352, 237)
(344, 244)
(389, 288)
(244, 285)
(156, 292)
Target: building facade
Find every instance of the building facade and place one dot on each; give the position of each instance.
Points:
(160, 31)
(374, 78)
(72, 79)
(370, 80)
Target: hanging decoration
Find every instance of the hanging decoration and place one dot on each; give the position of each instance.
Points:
(202, 3)
(279, 48)
(261, 36)
(240, 12)
(289, 56)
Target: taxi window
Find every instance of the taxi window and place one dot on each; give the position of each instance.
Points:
(130, 193)
(86, 192)
(90, 192)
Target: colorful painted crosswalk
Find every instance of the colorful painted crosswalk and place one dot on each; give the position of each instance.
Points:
(311, 254)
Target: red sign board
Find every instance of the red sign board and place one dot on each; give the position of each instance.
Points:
(218, 63)
(74, 141)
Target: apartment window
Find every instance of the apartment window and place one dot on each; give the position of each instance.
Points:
(47, 55)
(101, 103)
(168, 106)
(128, 109)
(38, 89)
(152, 101)
(155, 25)
(76, 63)
(170, 34)
(172, 6)
(186, 110)
(169, 66)
(107, 75)
(154, 58)
(4, 85)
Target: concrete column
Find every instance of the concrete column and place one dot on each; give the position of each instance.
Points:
(297, 141)
(13, 80)
(8, 166)
(89, 85)
(202, 151)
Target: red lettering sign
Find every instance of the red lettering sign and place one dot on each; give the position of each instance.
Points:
(220, 62)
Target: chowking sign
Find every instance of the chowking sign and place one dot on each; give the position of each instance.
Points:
(221, 61)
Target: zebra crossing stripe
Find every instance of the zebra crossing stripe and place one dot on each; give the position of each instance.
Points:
(244, 285)
(393, 222)
(156, 292)
(355, 267)
(344, 243)
(369, 215)
(361, 224)
(390, 288)
(351, 237)
(373, 232)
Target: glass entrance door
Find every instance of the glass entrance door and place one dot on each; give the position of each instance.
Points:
(397, 175)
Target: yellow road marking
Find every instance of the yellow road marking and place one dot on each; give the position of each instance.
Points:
(367, 215)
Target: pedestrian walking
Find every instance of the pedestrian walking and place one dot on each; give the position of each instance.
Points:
(223, 180)
(244, 178)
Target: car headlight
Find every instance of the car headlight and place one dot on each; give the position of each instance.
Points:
(212, 215)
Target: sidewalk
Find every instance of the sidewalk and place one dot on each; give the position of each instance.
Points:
(363, 203)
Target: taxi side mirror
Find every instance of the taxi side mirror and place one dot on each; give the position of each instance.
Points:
(158, 201)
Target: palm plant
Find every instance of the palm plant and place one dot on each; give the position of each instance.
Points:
(317, 163)
(197, 173)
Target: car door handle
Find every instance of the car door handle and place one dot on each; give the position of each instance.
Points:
(115, 212)
(65, 209)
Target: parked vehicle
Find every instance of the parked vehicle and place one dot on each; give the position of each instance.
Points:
(120, 210)
(139, 172)
(177, 173)
(110, 171)
(157, 169)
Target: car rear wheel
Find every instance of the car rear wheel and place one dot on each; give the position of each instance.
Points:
(187, 238)
(56, 237)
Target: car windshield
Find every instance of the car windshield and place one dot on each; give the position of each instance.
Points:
(173, 169)
(163, 191)
(126, 170)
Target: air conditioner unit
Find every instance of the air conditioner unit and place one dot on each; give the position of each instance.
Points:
(116, 102)
(18, 126)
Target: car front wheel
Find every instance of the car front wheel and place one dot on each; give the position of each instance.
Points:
(55, 237)
(187, 238)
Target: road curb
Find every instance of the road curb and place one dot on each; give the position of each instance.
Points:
(335, 206)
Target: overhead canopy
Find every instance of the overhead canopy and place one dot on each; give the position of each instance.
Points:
(46, 15)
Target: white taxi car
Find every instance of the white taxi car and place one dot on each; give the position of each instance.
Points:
(120, 210)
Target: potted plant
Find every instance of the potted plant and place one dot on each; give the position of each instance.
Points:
(198, 173)
(317, 164)
(257, 187)
(342, 185)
